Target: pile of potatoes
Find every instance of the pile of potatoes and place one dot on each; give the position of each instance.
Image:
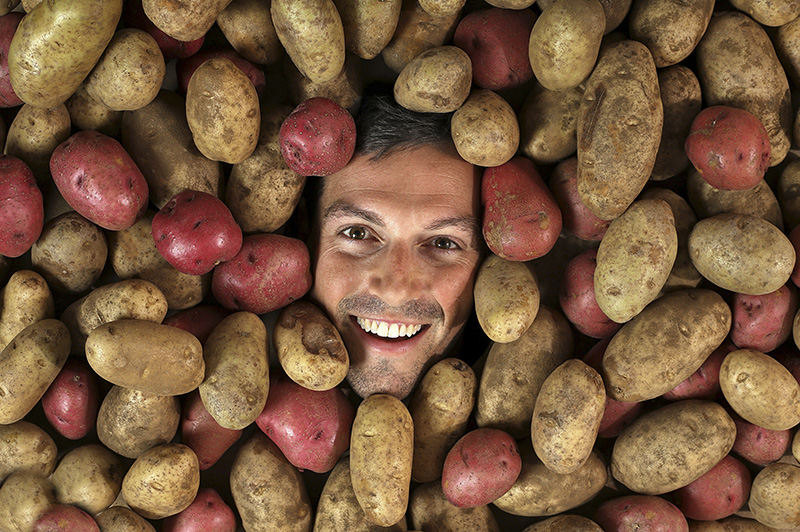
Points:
(160, 369)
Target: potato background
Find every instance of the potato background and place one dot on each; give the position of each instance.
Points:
(781, 187)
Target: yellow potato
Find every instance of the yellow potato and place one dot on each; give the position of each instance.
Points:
(247, 25)
(368, 26)
(186, 20)
(26, 447)
(416, 32)
(429, 509)
(670, 30)
(87, 113)
(548, 124)
(757, 201)
(442, 8)
(122, 519)
(485, 130)
(24, 300)
(89, 477)
(34, 134)
(345, 89)
(775, 496)
(436, 81)
(23, 497)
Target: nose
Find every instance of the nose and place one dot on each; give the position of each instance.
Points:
(397, 275)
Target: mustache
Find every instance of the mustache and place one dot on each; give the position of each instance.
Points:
(366, 304)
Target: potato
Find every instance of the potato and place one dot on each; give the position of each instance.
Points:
(633, 512)
(24, 300)
(506, 298)
(171, 363)
(615, 11)
(26, 447)
(576, 297)
(247, 25)
(764, 322)
(345, 89)
(709, 201)
(429, 509)
(184, 21)
(521, 220)
(162, 481)
(70, 253)
(703, 383)
(788, 192)
(89, 477)
(575, 523)
(440, 408)
(548, 124)
(185, 68)
(207, 510)
(199, 320)
(664, 344)
(368, 27)
(576, 216)
(672, 446)
(28, 365)
(785, 40)
(540, 492)
(416, 32)
(774, 13)
(670, 31)
(8, 26)
(567, 415)
(775, 496)
(33, 135)
(511, 4)
(758, 445)
(130, 422)
(133, 16)
(87, 113)
(71, 402)
(485, 129)
(55, 47)
(202, 433)
(309, 347)
(23, 497)
(311, 31)
(268, 491)
(718, 493)
(381, 447)
(22, 217)
(681, 100)
(122, 519)
(436, 81)
(65, 518)
(615, 159)
(222, 111)
(338, 508)
(129, 74)
(514, 373)
(737, 67)
(741, 253)
(564, 43)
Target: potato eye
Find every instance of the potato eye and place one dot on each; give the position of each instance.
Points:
(355, 233)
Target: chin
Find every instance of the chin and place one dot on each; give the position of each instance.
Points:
(365, 388)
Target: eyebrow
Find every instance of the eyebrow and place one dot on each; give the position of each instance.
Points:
(340, 208)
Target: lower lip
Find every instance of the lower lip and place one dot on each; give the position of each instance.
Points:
(388, 346)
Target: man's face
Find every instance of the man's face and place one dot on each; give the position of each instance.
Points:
(398, 244)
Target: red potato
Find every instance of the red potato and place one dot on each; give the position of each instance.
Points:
(311, 428)
(199, 431)
(616, 416)
(794, 238)
(8, 26)
(98, 179)
(194, 231)
(594, 356)
(640, 512)
(729, 147)
(703, 383)
(758, 445)
(577, 300)
(21, 207)
(65, 518)
(207, 513)
(186, 67)
(577, 217)
(521, 220)
(71, 402)
(134, 16)
(318, 137)
(763, 322)
(496, 41)
(718, 493)
(269, 272)
(199, 320)
(481, 466)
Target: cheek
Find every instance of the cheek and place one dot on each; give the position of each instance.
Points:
(453, 291)
(334, 277)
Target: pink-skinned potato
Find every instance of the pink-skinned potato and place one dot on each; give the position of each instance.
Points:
(194, 231)
(318, 137)
(758, 445)
(21, 207)
(794, 238)
(729, 147)
(577, 300)
(703, 383)
(134, 16)
(496, 41)
(8, 26)
(269, 272)
(207, 513)
(718, 493)
(200, 432)
(98, 179)
(199, 320)
(65, 518)
(763, 322)
(521, 219)
(72, 401)
(186, 67)
(311, 428)
(640, 512)
(576, 216)
(481, 466)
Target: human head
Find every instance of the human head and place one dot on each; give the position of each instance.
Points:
(396, 243)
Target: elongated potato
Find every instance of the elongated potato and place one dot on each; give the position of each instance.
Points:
(381, 448)
(670, 30)
(485, 130)
(775, 496)
(186, 20)
(681, 100)
(506, 298)
(26, 447)
(24, 300)
(416, 32)
(89, 477)
(619, 129)
(247, 25)
(237, 373)
(769, 12)
(169, 363)
(56, 46)
(369, 26)
(436, 81)
(429, 509)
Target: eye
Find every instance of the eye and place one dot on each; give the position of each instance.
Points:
(355, 232)
(444, 243)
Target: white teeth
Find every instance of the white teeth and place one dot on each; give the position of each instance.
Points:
(385, 329)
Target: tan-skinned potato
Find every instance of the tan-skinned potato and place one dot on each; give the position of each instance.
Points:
(186, 20)
(670, 30)
(548, 124)
(24, 300)
(707, 201)
(122, 519)
(775, 496)
(23, 497)
(787, 188)
(416, 32)
(429, 509)
(345, 89)
(25, 446)
(247, 24)
(368, 26)
(436, 81)
(34, 134)
(89, 477)
(615, 11)
(574, 523)
(485, 130)
(769, 12)
(87, 113)
(681, 100)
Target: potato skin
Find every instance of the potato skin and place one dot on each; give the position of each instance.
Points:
(23, 497)
(207, 511)
(381, 448)
(681, 99)
(709, 201)
(632, 512)
(26, 447)
(429, 509)
(416, 31)
(671, 31)
(575, 523)
(56, 46)
(8, 26)
(207, 438)
(764, 322)
(485, 129)
(90, 477)
(71, 402)
(63, 518)
(34, 134)
(672, 446)
(22, 217)
(368, 27)
(506, 297)
(619, 129)
(247, 25)
(769, 13)
(24, 300)
(184, 21)
(775, 496)
(87, 113)
(436, 81)
(718, 493)
(576, 297)
(122, 519)
(548, 124)
(758, 445)
(576, 217)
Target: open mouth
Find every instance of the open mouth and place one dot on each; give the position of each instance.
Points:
(389, 330)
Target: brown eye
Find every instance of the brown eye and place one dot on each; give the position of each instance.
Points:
(444, 243)
(355, 233)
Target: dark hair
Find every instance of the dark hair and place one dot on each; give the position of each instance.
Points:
(384, 126)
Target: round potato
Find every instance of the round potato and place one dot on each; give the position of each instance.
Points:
(429, 509)
(24, 496)
(485, 129)
(671, 31)
(89, 477)
(24, 300)
(368, 27)
(506, 298)
(718, 493)
(33, 135)
(708, 201)
(185, 20)
(122, 519)
(247, 25)
(775, 496)
(416, 32)
(640, 512)
(435, 81)
(26, 447)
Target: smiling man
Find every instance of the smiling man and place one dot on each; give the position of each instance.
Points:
(397, 243)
